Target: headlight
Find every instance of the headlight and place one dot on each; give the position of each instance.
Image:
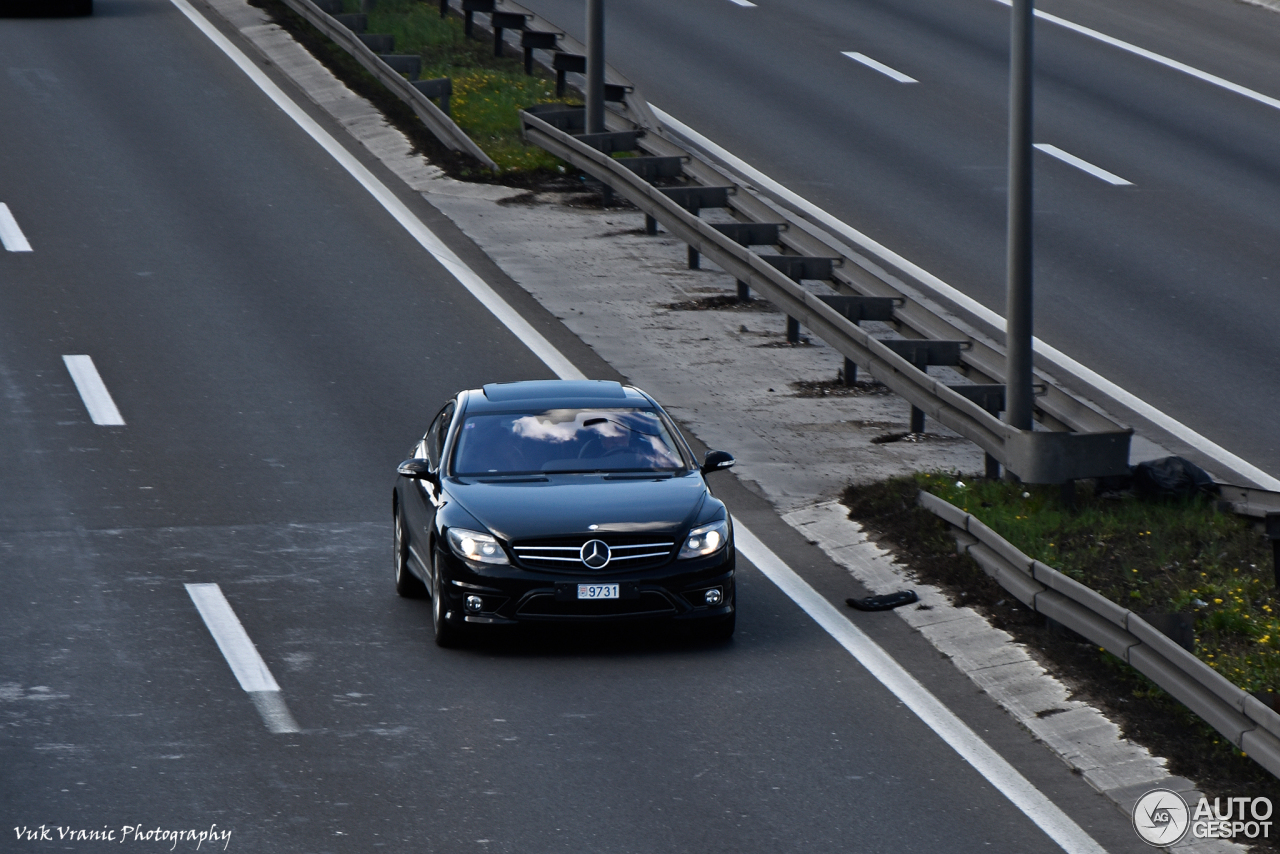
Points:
(473, 545)
(705, 540)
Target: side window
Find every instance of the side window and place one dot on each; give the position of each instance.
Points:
(437, 433)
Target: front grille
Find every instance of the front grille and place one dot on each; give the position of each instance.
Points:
(627, 553)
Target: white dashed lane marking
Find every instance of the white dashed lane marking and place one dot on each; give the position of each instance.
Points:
(250, 670)
(10, 234)
(1084, 165)
(93, 391)
(879, 66)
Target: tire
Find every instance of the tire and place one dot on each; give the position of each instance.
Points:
(408, 585)
(447, 635)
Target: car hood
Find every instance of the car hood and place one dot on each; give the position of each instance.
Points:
(520, 509)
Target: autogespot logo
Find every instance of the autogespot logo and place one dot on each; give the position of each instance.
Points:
(595, 554)
(1161, 817)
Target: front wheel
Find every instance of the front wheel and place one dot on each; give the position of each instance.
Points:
(407, 584)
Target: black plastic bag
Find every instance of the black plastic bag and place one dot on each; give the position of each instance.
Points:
(1172, 477)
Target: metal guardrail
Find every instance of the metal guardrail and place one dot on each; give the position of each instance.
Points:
(435, 119)
(1239, 716)
(1080, 442)
(1249, 500)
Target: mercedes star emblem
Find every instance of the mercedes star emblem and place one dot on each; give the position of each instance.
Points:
(595, 554)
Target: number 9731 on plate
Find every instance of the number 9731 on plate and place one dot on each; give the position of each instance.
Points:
(597, 591)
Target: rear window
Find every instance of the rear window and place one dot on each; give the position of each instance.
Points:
(565, 440)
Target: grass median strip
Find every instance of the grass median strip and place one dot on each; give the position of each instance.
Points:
(1153, 557)
(488, 91)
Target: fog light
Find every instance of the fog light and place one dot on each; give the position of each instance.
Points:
(714, 596)
(474, 604)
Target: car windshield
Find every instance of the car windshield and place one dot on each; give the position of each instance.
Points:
(565, 440)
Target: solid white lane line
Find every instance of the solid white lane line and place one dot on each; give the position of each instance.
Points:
(879, 66)
(10, 234)
(425, 237)
(93, 391)
(1234, 464)
(1083, 165)
(1155, 57)
(1056, 824)
(746, 4)
(250, 670)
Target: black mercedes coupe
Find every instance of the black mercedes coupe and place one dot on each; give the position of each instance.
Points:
(561, 500)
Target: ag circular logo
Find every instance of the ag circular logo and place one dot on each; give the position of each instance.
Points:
(1161, 817)
(595, 554)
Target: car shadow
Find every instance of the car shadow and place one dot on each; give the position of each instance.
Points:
(606, 641)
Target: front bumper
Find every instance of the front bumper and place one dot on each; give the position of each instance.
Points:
(511, 595)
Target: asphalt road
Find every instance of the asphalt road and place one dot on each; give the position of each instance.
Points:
(1166, 285)
(274, 342)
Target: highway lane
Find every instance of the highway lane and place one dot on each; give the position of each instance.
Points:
(1166, 286)
(274, 341)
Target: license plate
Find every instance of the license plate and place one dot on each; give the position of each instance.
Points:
(597, 591)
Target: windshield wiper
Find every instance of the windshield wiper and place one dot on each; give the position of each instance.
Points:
(512, 478)
(638, 475)
(591, 422)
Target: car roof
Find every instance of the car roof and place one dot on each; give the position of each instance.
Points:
(567, 394)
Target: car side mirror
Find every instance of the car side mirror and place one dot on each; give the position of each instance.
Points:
(418, 469)
(717, 461)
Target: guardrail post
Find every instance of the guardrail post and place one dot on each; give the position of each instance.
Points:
(650, 225)
(857, 309)
(469, 8)
(595, 66)
(564, 64)
(444, 8)
(531, 40)
(440, 89)
(500, 21)
(744, 291)
(923, 352)
(793, 330)
(991, 398)
(695, 259)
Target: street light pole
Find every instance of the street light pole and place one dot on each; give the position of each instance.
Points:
(1018, 310)
(595, 66)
